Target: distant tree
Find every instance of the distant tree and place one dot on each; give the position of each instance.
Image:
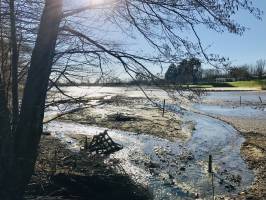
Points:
(188, 71)
(240, 73)
(210, 74)
(260, 67)
(115, 80)
(252, 70)
(139, 77)
(194, 65)
(171, 73)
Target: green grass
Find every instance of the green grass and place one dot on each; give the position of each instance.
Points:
(247, 84)
(250, 84)
(211, 85)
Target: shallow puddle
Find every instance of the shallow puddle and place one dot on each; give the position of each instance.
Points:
(230, 111)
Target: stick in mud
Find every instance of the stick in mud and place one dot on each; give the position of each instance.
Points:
(86, 143)
(213, 197)
(260, 99)
(210, 164)
(163, 107)
(212, 174)
(240, 101)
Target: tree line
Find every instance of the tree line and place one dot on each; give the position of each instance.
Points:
(190, 71)
(242, 72)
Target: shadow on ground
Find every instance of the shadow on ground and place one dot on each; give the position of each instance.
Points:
(64, 175)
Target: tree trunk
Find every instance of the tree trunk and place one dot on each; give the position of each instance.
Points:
(29, 128)
(14, 64)
(6, 141)
(4, 58)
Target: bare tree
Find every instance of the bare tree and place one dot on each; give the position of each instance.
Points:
(17, 159)
(14, 63)
(70, 38)
(260, 67)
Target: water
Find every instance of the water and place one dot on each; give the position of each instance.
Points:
(233, 111)
(179, 168)
(234, 96)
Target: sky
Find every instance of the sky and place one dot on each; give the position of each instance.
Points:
(245, 49)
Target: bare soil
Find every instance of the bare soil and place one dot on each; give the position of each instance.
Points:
(253, 151)
(131, 114)
(137, 115)
(64, 175)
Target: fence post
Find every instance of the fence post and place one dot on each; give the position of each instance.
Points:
(163, 107)
(212, 174)
(260, 99)
(86, 143)
(213, 197)
(210, 164)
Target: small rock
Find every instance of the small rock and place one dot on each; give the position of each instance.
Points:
(196, 195)
(172, 165)
(46, 133)
(230, 187)
(249, 197)
(165, 176)
(153, 165)
(190, 157)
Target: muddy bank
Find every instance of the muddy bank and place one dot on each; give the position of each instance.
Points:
(249, 119)
(232, 98)
(253, 151)
(175, 170)
(61, 174)
(134, 114)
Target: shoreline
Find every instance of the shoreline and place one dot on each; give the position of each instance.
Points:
(233, 89)
(187, 162)
(114, 113)
(254, 155)
(252, 150)
(134, 115)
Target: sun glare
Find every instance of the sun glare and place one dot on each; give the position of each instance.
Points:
(97, 2)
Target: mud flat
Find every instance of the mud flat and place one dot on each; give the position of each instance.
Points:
(168, 154)
(62, 174)
(124, 112)
(174, 170)
(249, 119)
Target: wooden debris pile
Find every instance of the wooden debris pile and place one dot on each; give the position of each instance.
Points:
(103, 144)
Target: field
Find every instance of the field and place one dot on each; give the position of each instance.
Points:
(252, 84)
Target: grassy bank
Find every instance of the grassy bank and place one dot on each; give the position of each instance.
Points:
(237, 84)
(252, 83)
